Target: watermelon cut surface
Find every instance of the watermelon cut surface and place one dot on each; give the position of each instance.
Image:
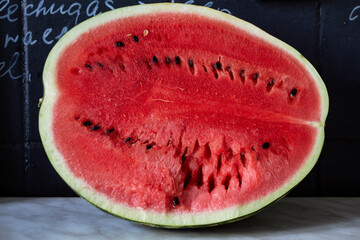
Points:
(178, 116)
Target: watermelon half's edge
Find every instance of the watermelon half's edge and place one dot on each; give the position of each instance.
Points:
(179, 116)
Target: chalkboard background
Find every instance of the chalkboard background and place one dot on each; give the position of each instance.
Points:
(327, 33)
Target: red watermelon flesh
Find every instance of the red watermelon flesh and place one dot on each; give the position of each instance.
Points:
(174, 112)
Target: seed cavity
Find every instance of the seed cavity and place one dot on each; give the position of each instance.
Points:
(239, 177)
(88, 66)
(229, 153)
(216, 75)
(226, 181)
(87, 123)
(219, 163)
(228, 68)
(207, 151)
(270, 85)
(187, 179)
(196, 146)
(266, 145)
(293, 93)
(176, 201)
(177, 60)
(95, 127)
(191, 63)
(211, 183)
(154, 59)
(136, 39)
(205, 69)
(255, 78)
(199, 178)
(128, 139)
(243, 158)
(167, 60)
(183, 156)
(191, 66)
(242, 75)
(120, 44)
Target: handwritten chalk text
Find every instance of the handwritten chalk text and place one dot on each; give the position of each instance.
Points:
(11, 13)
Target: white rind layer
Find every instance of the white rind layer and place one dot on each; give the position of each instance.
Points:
(188, 219)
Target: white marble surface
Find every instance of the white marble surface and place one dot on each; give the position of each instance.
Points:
(74, 218)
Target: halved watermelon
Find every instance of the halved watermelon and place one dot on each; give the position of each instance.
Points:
(179, 116)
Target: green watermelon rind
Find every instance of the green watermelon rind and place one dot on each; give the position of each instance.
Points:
(149, 217)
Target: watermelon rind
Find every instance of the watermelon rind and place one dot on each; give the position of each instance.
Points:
(149, 217)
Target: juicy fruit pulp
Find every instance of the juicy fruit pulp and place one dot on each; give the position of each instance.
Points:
(169, 114)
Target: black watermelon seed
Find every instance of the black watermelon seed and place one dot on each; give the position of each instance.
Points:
(109, 131)
(176, 201)
(271, 82)
(88, 66)
(266, 145)
(255, 76)
(177, 60)
(218, 65)
(149, 146)
(155, 60)
(191, 63)
(128, 139)
(87, 123)
(95, 127)
(99, 64)
(167, 60)
(136, 39)
(293, 92)
(120, 44)
(242, 73)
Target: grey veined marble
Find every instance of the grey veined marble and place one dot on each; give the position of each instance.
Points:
(74, 218)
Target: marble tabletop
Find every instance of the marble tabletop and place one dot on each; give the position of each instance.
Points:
(74, 218)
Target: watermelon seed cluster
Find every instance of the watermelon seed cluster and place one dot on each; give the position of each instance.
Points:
(216, 67)
(194, 177)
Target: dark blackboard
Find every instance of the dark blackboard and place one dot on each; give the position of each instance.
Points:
(327, 33)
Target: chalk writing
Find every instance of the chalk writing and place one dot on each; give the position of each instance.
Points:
(11, 13)
(8, 70)
(354, 13)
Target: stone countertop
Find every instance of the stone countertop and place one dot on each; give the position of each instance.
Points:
(74, 218)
